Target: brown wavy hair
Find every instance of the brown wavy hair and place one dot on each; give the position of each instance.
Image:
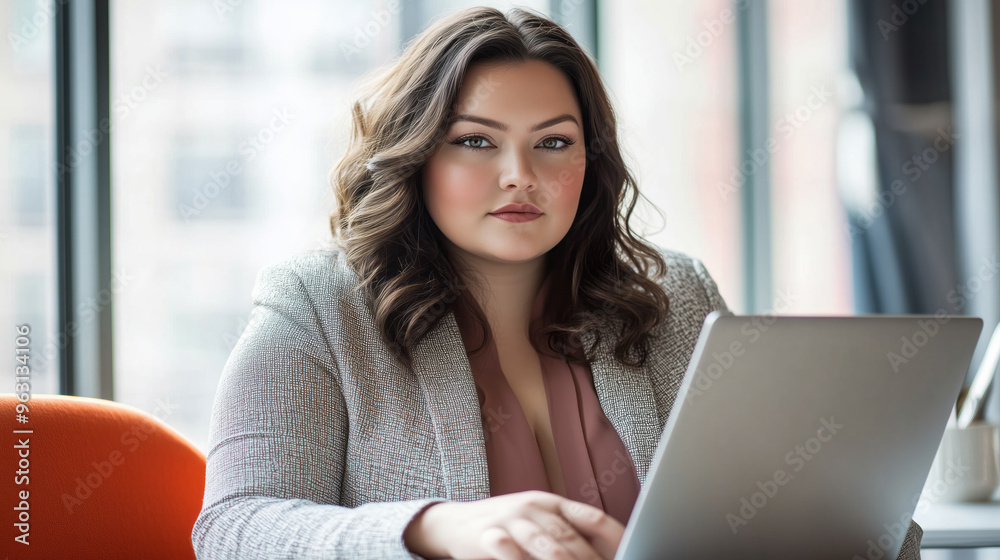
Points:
(400, 117)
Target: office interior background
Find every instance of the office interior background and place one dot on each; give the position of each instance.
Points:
(820, 156)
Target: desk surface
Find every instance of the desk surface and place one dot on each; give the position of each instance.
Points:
(960, 524)
(960, 553)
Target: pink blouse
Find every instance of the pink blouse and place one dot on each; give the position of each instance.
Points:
(596, 466)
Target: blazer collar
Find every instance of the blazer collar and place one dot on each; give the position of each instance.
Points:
(445, 379)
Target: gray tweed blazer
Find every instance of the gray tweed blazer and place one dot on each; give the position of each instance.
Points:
(322, 445)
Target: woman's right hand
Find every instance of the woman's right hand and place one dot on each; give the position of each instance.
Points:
(519, 526)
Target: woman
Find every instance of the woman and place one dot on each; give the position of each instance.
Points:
(483, 367)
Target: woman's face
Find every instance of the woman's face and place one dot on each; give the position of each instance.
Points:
(517, 138)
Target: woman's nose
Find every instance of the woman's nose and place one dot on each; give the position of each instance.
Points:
(517, 171)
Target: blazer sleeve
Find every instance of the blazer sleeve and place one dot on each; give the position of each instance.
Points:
(911, 542)
(277, 446)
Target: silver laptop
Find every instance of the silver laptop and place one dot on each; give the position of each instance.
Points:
(801, 437)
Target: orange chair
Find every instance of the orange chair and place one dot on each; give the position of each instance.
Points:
(96, 479)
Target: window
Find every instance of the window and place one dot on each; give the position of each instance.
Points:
(27, 165)
(810, 251)
(207, 179)
(679, 123)
(228, 116)
(27, 220)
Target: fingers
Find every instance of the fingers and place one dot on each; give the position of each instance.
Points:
(603, 531)
(499, 544)
(538, 543)
(563, 533)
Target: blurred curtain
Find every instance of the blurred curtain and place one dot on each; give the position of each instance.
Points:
(895, 160)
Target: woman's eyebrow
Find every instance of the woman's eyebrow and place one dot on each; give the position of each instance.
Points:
(501, 126)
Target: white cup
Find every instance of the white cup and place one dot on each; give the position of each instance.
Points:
(967, 465)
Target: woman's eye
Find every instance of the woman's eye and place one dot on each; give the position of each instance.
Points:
(475, 142)
(553, 143)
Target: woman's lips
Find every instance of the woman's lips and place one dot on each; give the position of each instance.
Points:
(516, 216)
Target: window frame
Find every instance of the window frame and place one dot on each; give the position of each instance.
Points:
(83, 199)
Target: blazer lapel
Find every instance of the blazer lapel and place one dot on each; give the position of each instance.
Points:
(626, 397)
(445, 377)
